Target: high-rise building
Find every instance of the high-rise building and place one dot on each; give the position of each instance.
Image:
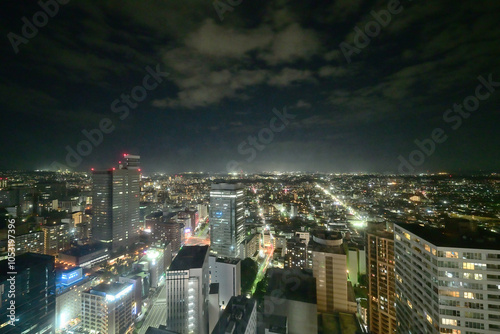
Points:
(226, 272)
(296, 255)
(381, 283)
(69, 286)
(226, 219)
(107, 308)
(447, 281)
(240, 316)
(187, 288)
(115, 205)
(56, 238)
(329, 263)
(169, 232)
(28, 294)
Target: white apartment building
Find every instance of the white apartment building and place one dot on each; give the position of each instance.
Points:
(447, 281)
(107, 308)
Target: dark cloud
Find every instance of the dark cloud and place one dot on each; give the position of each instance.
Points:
(227, 76)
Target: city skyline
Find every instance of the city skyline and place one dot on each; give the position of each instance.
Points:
(337, 86)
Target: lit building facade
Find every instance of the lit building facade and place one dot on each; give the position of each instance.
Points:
(381, 283)
(446, 282)
(226, 219)
(69, 286)
(56, 238)
(108, 308)
(187, 288)
(329, 264)
(115, 206)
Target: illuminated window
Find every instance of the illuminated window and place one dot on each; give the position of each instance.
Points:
(468, 266)
(451, 322)
(429, 319)
(407, 236)
(453, 255)
(478, 277)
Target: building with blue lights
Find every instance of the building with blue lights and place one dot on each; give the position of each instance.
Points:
(226, 219)
(70, 284)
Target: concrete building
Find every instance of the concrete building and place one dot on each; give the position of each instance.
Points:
(115, 205)
(34, 290)
(30, 243)
(70, 284)
(226, 272)
(226, 219)
(296, 255)
(214, 309)
(250, 246)
(329, 264)
(187, 288)
(447, 281)
(240, 316)
(166, 231)
(381, 282)
(107, 308)
(56, 238)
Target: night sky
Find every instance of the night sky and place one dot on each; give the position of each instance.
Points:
(230, 66)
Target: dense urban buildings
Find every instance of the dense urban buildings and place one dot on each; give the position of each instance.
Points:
(318, 253)
(226, 219)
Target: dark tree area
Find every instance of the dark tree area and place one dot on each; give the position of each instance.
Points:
(249, 270)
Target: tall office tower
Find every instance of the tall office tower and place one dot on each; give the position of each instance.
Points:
(447, 281)
(107, 308)
(226, 272)
(226, 219)
(32, 289)
(115, 206)
(187, 287)
(240, 316)
(381, 283)
(329, 263)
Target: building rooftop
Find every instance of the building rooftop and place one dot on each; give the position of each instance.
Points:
(189, 257)
(161, 330)
(110, 289)
(227, 186)
(84, 250)
(478, 238)
(340, 323)
(227, 260)
(236, 315)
